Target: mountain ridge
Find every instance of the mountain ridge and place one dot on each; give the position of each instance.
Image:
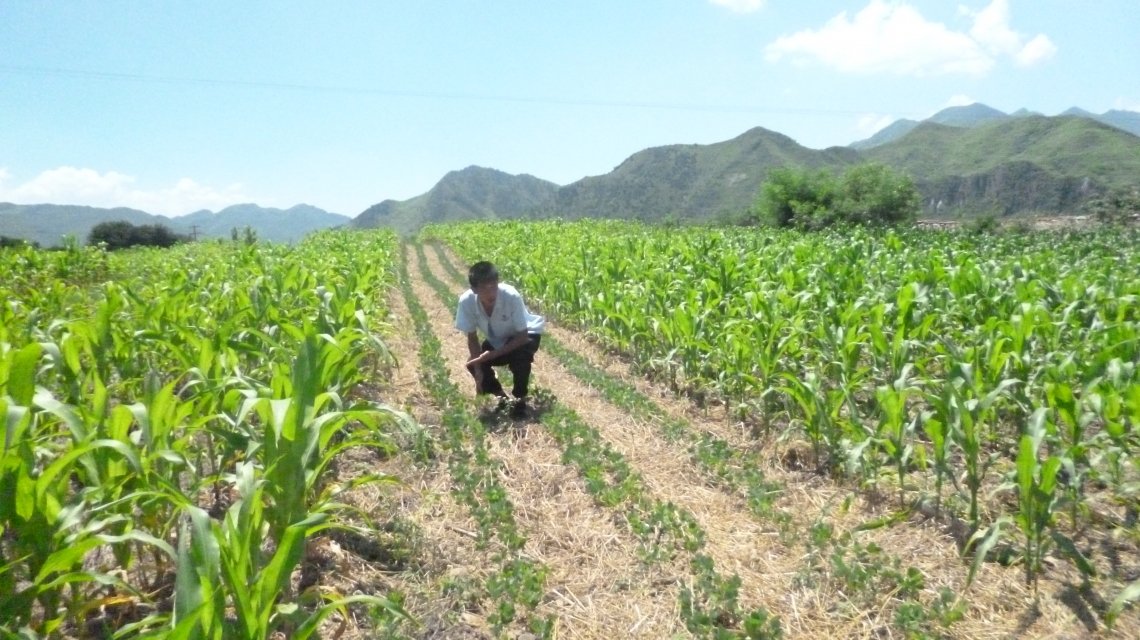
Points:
(473, 193)
(975, 114)
(965, 160)
(1042, 164)
(48, 224)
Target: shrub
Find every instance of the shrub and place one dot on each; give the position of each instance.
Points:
(6, 241)
(876, 194)
(798, 197)
(1116, 207)
(983, 224)
(120, 234)
(866, 194)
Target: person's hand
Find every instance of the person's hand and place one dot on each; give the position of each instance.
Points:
(476, 373)
(480, 359)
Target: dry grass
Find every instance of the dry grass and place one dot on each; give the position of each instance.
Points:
(1001, 605)
(597, 586)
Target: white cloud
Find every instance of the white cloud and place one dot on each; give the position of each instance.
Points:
(958, 100)
(893, 37)
(992, 31)
(1039, 49)
(740, 6)
(72, 185)
(884, 38)
(1120, 103)
(871, 123)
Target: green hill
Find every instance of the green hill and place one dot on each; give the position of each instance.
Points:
(691, 181)
(970, 115)
(275, 225)
(46, 224)
(893, 131)
(474, 193)
(984, 162)
(978, 114)
(998, 164)
(1033, 163)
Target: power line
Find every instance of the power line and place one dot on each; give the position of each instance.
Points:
(432, 95)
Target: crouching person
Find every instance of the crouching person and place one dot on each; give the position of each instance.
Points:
(511, 334)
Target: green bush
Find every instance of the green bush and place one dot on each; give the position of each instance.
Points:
(1116, 207)
(982, 225)
(876, 194)
(867, 194)
(5, 241)
(793, 197)
(120, 234)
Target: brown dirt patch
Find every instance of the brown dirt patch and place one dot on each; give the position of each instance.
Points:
(1001, 605)
(598, 586)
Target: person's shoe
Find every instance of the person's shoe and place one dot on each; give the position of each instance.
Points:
(519, 409)
(502, 404)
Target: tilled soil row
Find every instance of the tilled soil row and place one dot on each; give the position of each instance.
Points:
(425, 550)
(597, 585)
(736, 543)
(1000, 603)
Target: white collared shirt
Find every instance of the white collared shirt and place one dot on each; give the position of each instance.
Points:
(508, 318)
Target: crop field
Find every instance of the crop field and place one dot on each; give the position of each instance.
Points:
(736, 433)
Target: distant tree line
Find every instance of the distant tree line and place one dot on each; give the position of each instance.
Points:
(1118, 206)
(866, 194)
(6, 241)
(120, 234)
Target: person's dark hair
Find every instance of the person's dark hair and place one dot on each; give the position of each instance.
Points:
(482, 272)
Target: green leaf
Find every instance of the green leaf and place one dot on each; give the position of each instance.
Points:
(22, 374)
(1026, 467)
(25, 495)
(187, 581)
(144, 537)
(1131, 593)
(16, 421)
(309, 627)
(66, 558)
(989, 537)
(1067, 547)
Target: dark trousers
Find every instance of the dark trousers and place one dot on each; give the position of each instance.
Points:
(518, 361)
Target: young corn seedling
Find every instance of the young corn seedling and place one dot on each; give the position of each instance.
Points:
(1036, 496)
(225, 569)
(296, 445)
(896, 428)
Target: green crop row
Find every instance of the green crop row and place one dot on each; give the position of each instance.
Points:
(721, 462)
(709, 604)
(737, 471)
(519, 581)
(929, 361)
(171, 419)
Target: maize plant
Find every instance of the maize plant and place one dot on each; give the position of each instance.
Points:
(168, 411)
(819, 327)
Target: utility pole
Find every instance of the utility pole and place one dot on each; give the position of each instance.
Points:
(194, 233)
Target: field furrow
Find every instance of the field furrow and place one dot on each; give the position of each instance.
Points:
(737, 544)
(430, 554)
(775, 549)
(596, 586)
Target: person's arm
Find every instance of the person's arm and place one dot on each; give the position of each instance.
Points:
(520, 337)
(473, 364)
(515, 342)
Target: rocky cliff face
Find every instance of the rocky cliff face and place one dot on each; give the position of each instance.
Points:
(1006, 189)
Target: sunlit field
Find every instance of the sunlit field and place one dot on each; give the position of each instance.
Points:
(739, 433)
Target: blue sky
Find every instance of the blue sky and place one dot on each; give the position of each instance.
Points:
(171, 107)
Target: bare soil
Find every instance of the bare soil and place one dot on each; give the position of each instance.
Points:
(598, 586)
